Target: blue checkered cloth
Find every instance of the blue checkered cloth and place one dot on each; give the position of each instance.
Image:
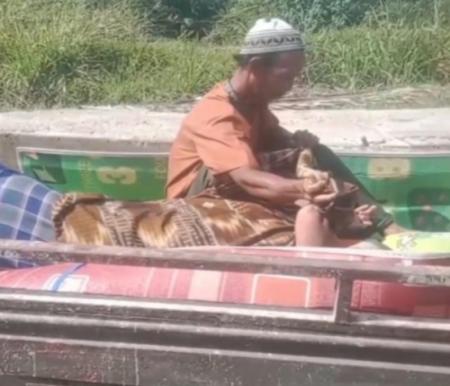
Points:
(25, 207)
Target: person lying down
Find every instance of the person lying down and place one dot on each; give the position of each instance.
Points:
(326, 212)
(236, 177)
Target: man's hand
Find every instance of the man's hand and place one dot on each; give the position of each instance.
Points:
(366, 214)
(303, 138)
(316, 192)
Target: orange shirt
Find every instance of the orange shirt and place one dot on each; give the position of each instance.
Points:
(218, 136)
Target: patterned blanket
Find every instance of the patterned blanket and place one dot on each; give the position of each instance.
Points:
(223, 214)
(204, 220)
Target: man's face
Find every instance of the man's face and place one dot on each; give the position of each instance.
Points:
(276, 80)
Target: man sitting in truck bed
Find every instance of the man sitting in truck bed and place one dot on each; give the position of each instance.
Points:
(232, 177)
(232, 125)
(233, 173)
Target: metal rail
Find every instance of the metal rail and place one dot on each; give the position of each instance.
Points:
(308, 262)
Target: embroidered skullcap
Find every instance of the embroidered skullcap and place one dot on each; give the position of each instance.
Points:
(272, 35)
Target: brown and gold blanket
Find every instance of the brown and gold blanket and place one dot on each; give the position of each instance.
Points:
(220, 215)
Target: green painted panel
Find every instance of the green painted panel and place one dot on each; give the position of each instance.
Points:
(416, 189)
(120, 176)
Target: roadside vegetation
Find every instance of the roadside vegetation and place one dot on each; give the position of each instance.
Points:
(73, 52)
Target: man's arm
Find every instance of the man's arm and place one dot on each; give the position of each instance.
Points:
(277, 189)
(224, 148)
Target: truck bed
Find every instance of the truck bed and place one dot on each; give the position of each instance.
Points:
(55, 339)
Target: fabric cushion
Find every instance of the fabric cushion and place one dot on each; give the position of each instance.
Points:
(26, 207)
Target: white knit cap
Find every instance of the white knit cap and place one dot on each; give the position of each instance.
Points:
(272, 35)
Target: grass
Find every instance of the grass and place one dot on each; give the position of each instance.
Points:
(389, 55)
(65, 54)
(60, 53)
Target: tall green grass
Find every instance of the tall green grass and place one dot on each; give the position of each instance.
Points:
(324, 15)
(56, 53)
(67, 52)
(389, 55)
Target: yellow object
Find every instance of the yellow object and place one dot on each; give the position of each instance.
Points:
(122, 175)
(389, 168)
(423, 242)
